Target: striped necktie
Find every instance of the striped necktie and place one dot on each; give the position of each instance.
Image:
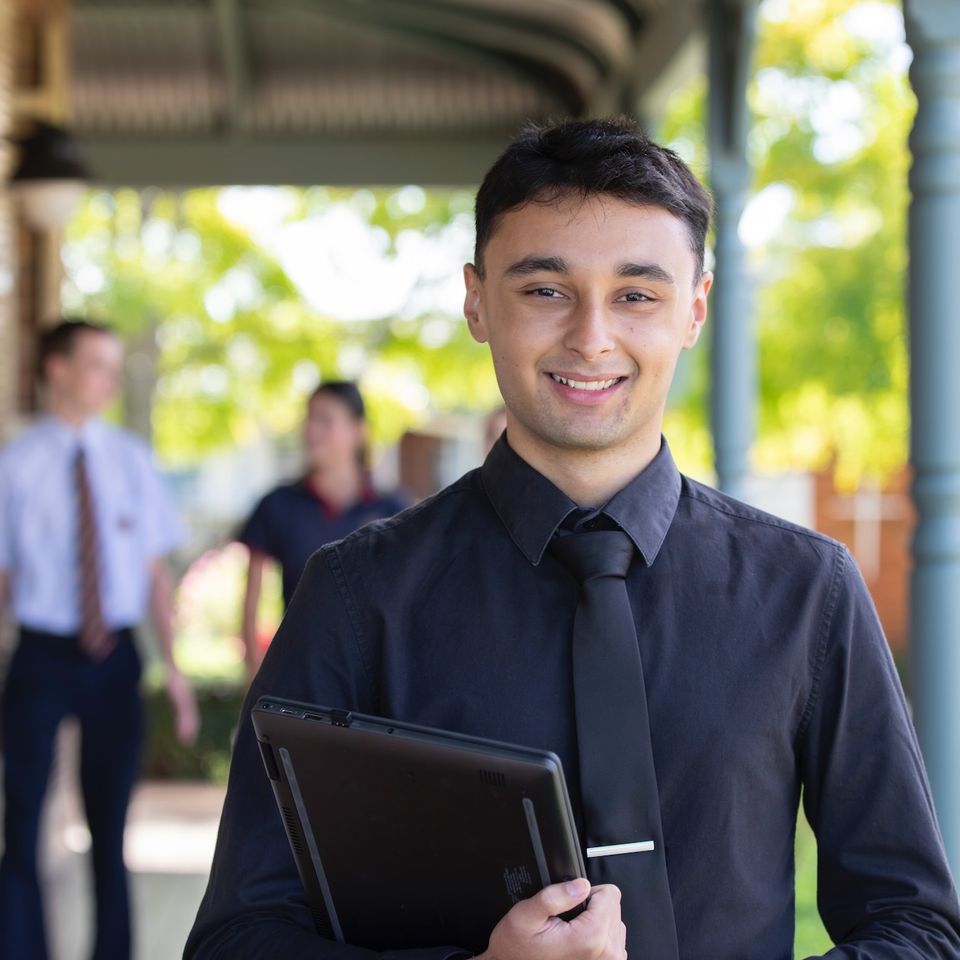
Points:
(96, 640)
(618, 783)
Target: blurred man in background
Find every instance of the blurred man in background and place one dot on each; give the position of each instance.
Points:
(85, 523)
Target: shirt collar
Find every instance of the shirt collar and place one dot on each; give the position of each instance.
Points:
(532, 508)
(71, 437)
(368, 496)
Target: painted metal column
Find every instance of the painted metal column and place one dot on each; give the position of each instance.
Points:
(731, 28)
(933, 30)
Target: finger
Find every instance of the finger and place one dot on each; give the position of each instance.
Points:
(188, 724)
(550, 901)
(193, 726)
(605, 898)
(618, 940)
(188, 736)
(599, 931)
(602, 917)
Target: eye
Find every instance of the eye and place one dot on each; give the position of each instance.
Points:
(635, 296)
(546, 293)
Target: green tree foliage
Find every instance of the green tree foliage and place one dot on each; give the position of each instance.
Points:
(225, 347)
(831, 109)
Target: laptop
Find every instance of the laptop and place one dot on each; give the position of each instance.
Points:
(407, 837)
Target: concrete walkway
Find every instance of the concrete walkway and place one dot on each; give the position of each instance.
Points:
(169, 843)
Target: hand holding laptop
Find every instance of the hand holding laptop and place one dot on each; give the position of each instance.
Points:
(533, 930)
(407, 837)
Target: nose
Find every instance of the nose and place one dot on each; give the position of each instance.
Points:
(589, 332)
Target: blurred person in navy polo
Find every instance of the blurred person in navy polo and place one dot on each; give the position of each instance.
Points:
(334, 497)
(697, 664)
(85, 523)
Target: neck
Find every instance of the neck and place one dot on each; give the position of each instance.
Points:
(588, 477)
(66, 412)
(338, 485)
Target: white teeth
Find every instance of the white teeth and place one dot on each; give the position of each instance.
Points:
(585, 384)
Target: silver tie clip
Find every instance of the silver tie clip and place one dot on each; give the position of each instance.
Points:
(612, 849)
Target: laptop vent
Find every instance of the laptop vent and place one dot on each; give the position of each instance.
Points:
(293, 831)
(322, 924)
(493, 778)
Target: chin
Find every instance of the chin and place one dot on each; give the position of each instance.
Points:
(585, 440)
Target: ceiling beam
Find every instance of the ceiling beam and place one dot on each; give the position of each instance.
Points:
(562, 70)
(595, 28)
(356, 161)
(233, 49)
(663, 56)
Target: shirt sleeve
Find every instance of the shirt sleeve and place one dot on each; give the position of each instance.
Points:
(254, 907)
(257, 531)
(6, 527)
(884, 887)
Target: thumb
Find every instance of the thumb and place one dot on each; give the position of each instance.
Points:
(558, 898)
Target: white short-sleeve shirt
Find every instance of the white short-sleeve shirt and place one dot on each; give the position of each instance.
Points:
(136, 522)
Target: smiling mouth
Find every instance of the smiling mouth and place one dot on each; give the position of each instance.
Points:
(594, 385)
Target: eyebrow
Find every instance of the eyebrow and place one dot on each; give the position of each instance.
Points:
(646, 271)
(534, 264)
(528, 265)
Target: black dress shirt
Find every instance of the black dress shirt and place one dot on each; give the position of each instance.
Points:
(767, 674)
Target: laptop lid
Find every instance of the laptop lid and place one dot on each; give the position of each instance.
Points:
(407, 837)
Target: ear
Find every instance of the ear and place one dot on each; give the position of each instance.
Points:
(698, 310)
(473, 304)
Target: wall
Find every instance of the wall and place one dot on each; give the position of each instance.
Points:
(876, 523)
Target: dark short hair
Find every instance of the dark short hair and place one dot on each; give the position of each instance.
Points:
(589, 157)
(60, 340)
(347, 393)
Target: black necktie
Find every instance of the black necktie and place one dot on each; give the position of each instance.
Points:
(618, 782)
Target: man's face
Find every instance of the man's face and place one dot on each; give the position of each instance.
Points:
(586, 305)
(87, 379)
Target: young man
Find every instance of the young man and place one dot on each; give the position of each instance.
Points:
(84, 526)
(694, 662)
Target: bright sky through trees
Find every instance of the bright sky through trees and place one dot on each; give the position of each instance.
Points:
(348, 269)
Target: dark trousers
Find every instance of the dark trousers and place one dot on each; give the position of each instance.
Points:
(48, 680)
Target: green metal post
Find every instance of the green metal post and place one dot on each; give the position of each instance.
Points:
(933, 30)
(731, 27)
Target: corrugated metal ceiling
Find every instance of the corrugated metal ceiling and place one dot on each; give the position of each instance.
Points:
(249, 72)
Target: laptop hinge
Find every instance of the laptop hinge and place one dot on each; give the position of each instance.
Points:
(341, 718)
